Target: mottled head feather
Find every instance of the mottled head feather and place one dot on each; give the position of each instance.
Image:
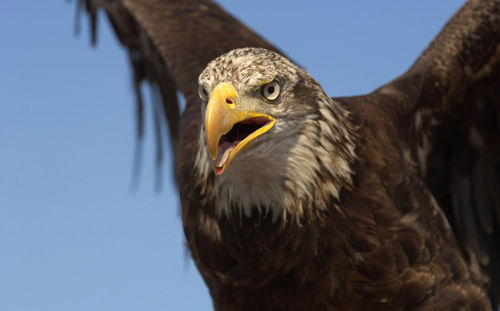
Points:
(312, 142)
(247, 67)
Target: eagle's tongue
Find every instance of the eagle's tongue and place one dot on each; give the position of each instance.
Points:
(223, 153)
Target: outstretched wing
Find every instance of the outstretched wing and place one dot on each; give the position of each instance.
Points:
(448, 108)
(169, 43)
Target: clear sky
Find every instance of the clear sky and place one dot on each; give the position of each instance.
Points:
(72, 235)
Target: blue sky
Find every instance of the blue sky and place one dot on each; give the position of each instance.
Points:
(72, 235)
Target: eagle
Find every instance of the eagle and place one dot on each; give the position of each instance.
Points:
(294, 200)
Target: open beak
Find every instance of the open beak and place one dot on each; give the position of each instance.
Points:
(229, 129)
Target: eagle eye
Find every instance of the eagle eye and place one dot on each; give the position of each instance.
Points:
(202, 92)
(271, 90)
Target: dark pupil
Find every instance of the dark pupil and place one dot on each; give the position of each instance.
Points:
(270, 89)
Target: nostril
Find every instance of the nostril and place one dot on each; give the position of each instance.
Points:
(229, 101)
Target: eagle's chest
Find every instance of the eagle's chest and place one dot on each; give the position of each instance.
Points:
(266, 264)
(256, 241)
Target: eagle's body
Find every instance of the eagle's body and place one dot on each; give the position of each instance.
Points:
(292, 200)
(315, 222)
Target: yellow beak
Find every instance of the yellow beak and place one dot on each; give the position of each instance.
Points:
(221, 116)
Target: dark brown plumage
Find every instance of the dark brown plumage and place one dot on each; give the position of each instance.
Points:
(407, 219)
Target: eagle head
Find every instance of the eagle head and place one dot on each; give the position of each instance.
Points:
(269, 131)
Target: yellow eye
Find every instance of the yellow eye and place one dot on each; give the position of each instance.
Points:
(202, 92)
(271, 90)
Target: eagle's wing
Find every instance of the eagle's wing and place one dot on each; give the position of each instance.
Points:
(169, 43)
(447, 109)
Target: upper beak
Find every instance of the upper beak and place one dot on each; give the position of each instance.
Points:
(221, 115)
